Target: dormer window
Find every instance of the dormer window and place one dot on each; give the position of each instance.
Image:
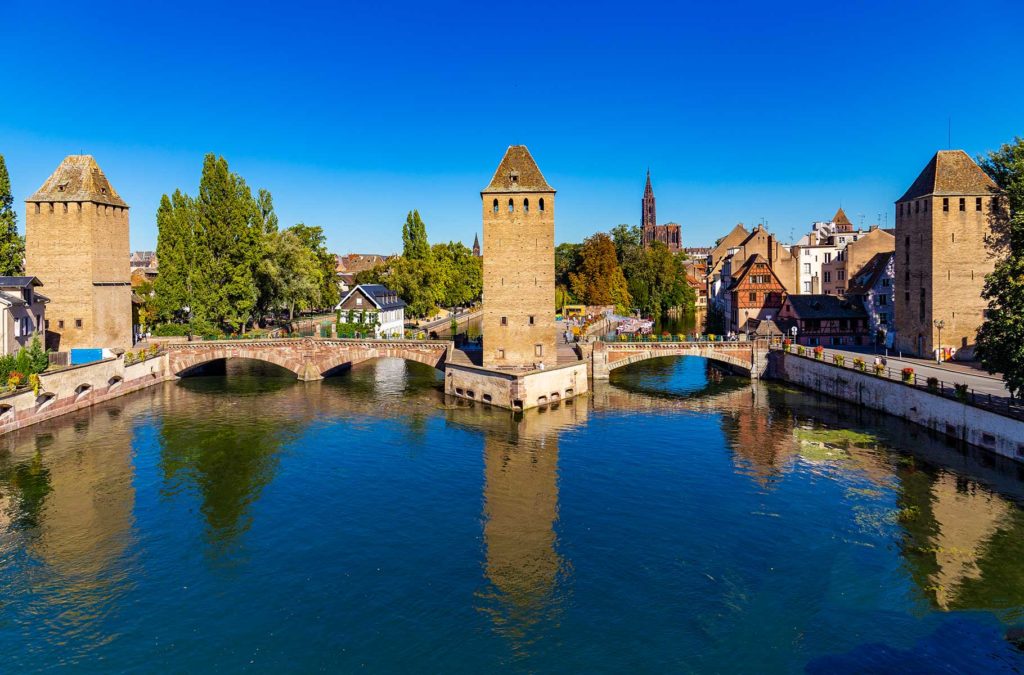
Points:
(514, 177)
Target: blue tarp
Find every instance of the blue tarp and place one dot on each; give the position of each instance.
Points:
(79, 356)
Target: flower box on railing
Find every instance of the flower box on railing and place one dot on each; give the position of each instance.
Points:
(801, 350)
(819, 352)
(879, 369)
(908, 375)
(859, 364)
(838, 359)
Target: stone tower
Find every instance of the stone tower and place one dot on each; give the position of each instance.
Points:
(648, 219)
(76, 242)
(519, 265)
(941, 257)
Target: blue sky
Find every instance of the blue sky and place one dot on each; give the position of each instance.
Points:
(353, 114)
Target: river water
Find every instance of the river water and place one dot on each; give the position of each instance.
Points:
(677, 520)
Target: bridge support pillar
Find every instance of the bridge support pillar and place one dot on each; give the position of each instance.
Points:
(599, 357)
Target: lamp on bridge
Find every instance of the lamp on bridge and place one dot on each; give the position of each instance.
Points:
(939, 324)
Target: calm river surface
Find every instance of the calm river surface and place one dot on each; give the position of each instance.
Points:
(676, 520)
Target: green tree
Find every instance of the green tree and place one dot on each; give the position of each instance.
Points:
(1001, 337)
(175, 249)
(327, 292)
(288, 273)
(12, 246)
(415, 281)
(228, 246)
(414, 237)
(458, 274)
(600, 280)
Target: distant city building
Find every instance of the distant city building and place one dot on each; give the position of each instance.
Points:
(371, 303)
(668, 233)
(823, 257)
(941, 216)
(348, 266)
(824, 320)
(759, 242)
(519, 268)
(476, 246)
(142, 260)
(76, 241)
(874, 286)
(857, 250)
(24, 312)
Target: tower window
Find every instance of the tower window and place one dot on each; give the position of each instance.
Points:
(511, 206)
(78, 323)
(495, 205)
(538, 350)
(504, 321)
(531, 320)
(60, 324)
(977, 203)
(526, 206)
(540, 204)
(945, 203)
(963, 204)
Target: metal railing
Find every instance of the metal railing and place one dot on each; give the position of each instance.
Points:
(1002, 405)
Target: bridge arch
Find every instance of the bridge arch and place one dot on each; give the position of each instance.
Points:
(742, 356)
(334, 363)
(185, 361)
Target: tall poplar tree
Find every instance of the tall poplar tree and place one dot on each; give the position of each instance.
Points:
(175, 249)
(414, 237)
(12, 246)
(228, 235)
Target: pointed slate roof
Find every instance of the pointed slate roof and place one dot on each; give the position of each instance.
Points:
(648, 190)
(517, 172)
(950, 172)
(840, 218)
(78, 179)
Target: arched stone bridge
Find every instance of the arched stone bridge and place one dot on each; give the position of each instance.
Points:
(750, 358)
(309, 358)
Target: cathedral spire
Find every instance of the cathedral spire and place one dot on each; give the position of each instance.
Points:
(648, 218)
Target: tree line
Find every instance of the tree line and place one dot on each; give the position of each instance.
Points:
(617, 269)
(429, 277)
(225, 264)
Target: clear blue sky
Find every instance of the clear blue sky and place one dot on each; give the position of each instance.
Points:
(352, 115)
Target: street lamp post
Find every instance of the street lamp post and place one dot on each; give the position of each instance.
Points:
(939, 324)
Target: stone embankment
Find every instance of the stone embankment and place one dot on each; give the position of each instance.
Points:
(957, 420)
(73, 388)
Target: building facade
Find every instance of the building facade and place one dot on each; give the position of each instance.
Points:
(23, 312)
(76, 241)
(825, 320)
(874, 285)
(944, 213)
(668, 234)
(755, 294)
(518, 265)
(374, 303)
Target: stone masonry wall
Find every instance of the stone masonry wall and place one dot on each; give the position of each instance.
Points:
(981, 428)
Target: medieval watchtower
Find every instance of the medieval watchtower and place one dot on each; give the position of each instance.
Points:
(518, 265)
(76, 241)
(941, 258)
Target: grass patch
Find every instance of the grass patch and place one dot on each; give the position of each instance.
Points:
(835, 437)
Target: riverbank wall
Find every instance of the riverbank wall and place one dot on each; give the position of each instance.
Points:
(954, 419)
(76, 387)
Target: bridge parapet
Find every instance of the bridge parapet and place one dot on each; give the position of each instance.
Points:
(749, 357)
(308, 358)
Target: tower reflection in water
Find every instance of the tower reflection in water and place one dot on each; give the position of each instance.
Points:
(525, 573)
